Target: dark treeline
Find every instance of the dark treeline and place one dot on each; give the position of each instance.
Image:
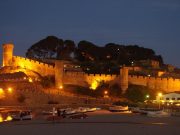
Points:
(92, 57)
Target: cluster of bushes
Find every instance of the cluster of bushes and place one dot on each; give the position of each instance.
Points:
(137, 93)
(112, 91)
(134, 94)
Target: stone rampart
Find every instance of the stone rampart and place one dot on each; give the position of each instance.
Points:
(39, 67)
(162, 84)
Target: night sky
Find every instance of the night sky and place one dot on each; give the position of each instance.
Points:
(149, 23)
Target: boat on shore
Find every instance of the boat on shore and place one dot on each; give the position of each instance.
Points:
(144, 111)
(158, 114)
(118, 108)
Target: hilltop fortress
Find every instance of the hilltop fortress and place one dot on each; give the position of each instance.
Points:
(63, 77)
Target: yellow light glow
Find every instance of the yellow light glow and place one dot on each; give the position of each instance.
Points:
(106, 92)
(10, 90)
(30, 80)
(177, 104)
(171, 101)
(61, 87)
(1, 93)
(94, 85)
(160, 94)
(9, 118)
(1, 119)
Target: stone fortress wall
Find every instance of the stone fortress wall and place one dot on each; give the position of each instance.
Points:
(39, 67)
(83, 79)
(161, 84)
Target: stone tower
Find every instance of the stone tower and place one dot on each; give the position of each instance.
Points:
(59, 70)
(7, 54)
(124, 79)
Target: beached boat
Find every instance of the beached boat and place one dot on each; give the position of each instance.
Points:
(158, 114)
(81, 110)
(118, 108)
(144, 111)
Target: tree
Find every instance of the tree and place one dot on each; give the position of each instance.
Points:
(137, 93)
(68, 50)
(115, 90)
(46, 48)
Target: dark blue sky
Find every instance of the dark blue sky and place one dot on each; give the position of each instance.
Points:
(149, 23)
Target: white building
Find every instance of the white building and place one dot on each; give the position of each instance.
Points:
(173, 97)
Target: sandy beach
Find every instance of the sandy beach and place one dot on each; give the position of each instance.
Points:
(100, 122)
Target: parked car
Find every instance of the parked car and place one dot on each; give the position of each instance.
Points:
(21, 115)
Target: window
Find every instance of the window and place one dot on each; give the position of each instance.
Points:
(167, 98)
(173, 98)
(178, 98)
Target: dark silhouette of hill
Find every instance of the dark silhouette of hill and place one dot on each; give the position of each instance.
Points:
(109, 56)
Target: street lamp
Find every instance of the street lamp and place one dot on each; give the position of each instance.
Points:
(147, 96)
(60, 88)
(106, 94)
(159, 99)
(10, 90)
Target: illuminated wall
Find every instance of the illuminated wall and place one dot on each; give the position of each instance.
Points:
(7, 54)
(161, 84)
(88, 80)
(41, 68)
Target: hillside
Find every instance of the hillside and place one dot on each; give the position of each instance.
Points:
(92, 58)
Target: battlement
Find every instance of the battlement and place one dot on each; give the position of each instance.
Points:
(152, 78)
(40, 67)
(164, 84)
(33, 61)
(103, 75)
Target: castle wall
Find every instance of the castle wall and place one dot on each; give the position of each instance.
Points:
(162, 84)
(75, 78)
(138, 80)
(92, 80)
(39, 67)
(88, 80)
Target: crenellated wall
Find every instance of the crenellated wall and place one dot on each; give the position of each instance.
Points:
(82, 79)
(39, 67)
(164, 84)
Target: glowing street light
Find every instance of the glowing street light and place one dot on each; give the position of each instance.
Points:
(159, 99)
(61, 87)
(10, 90)
(106, 94)
(147, 96)
(160, 95)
